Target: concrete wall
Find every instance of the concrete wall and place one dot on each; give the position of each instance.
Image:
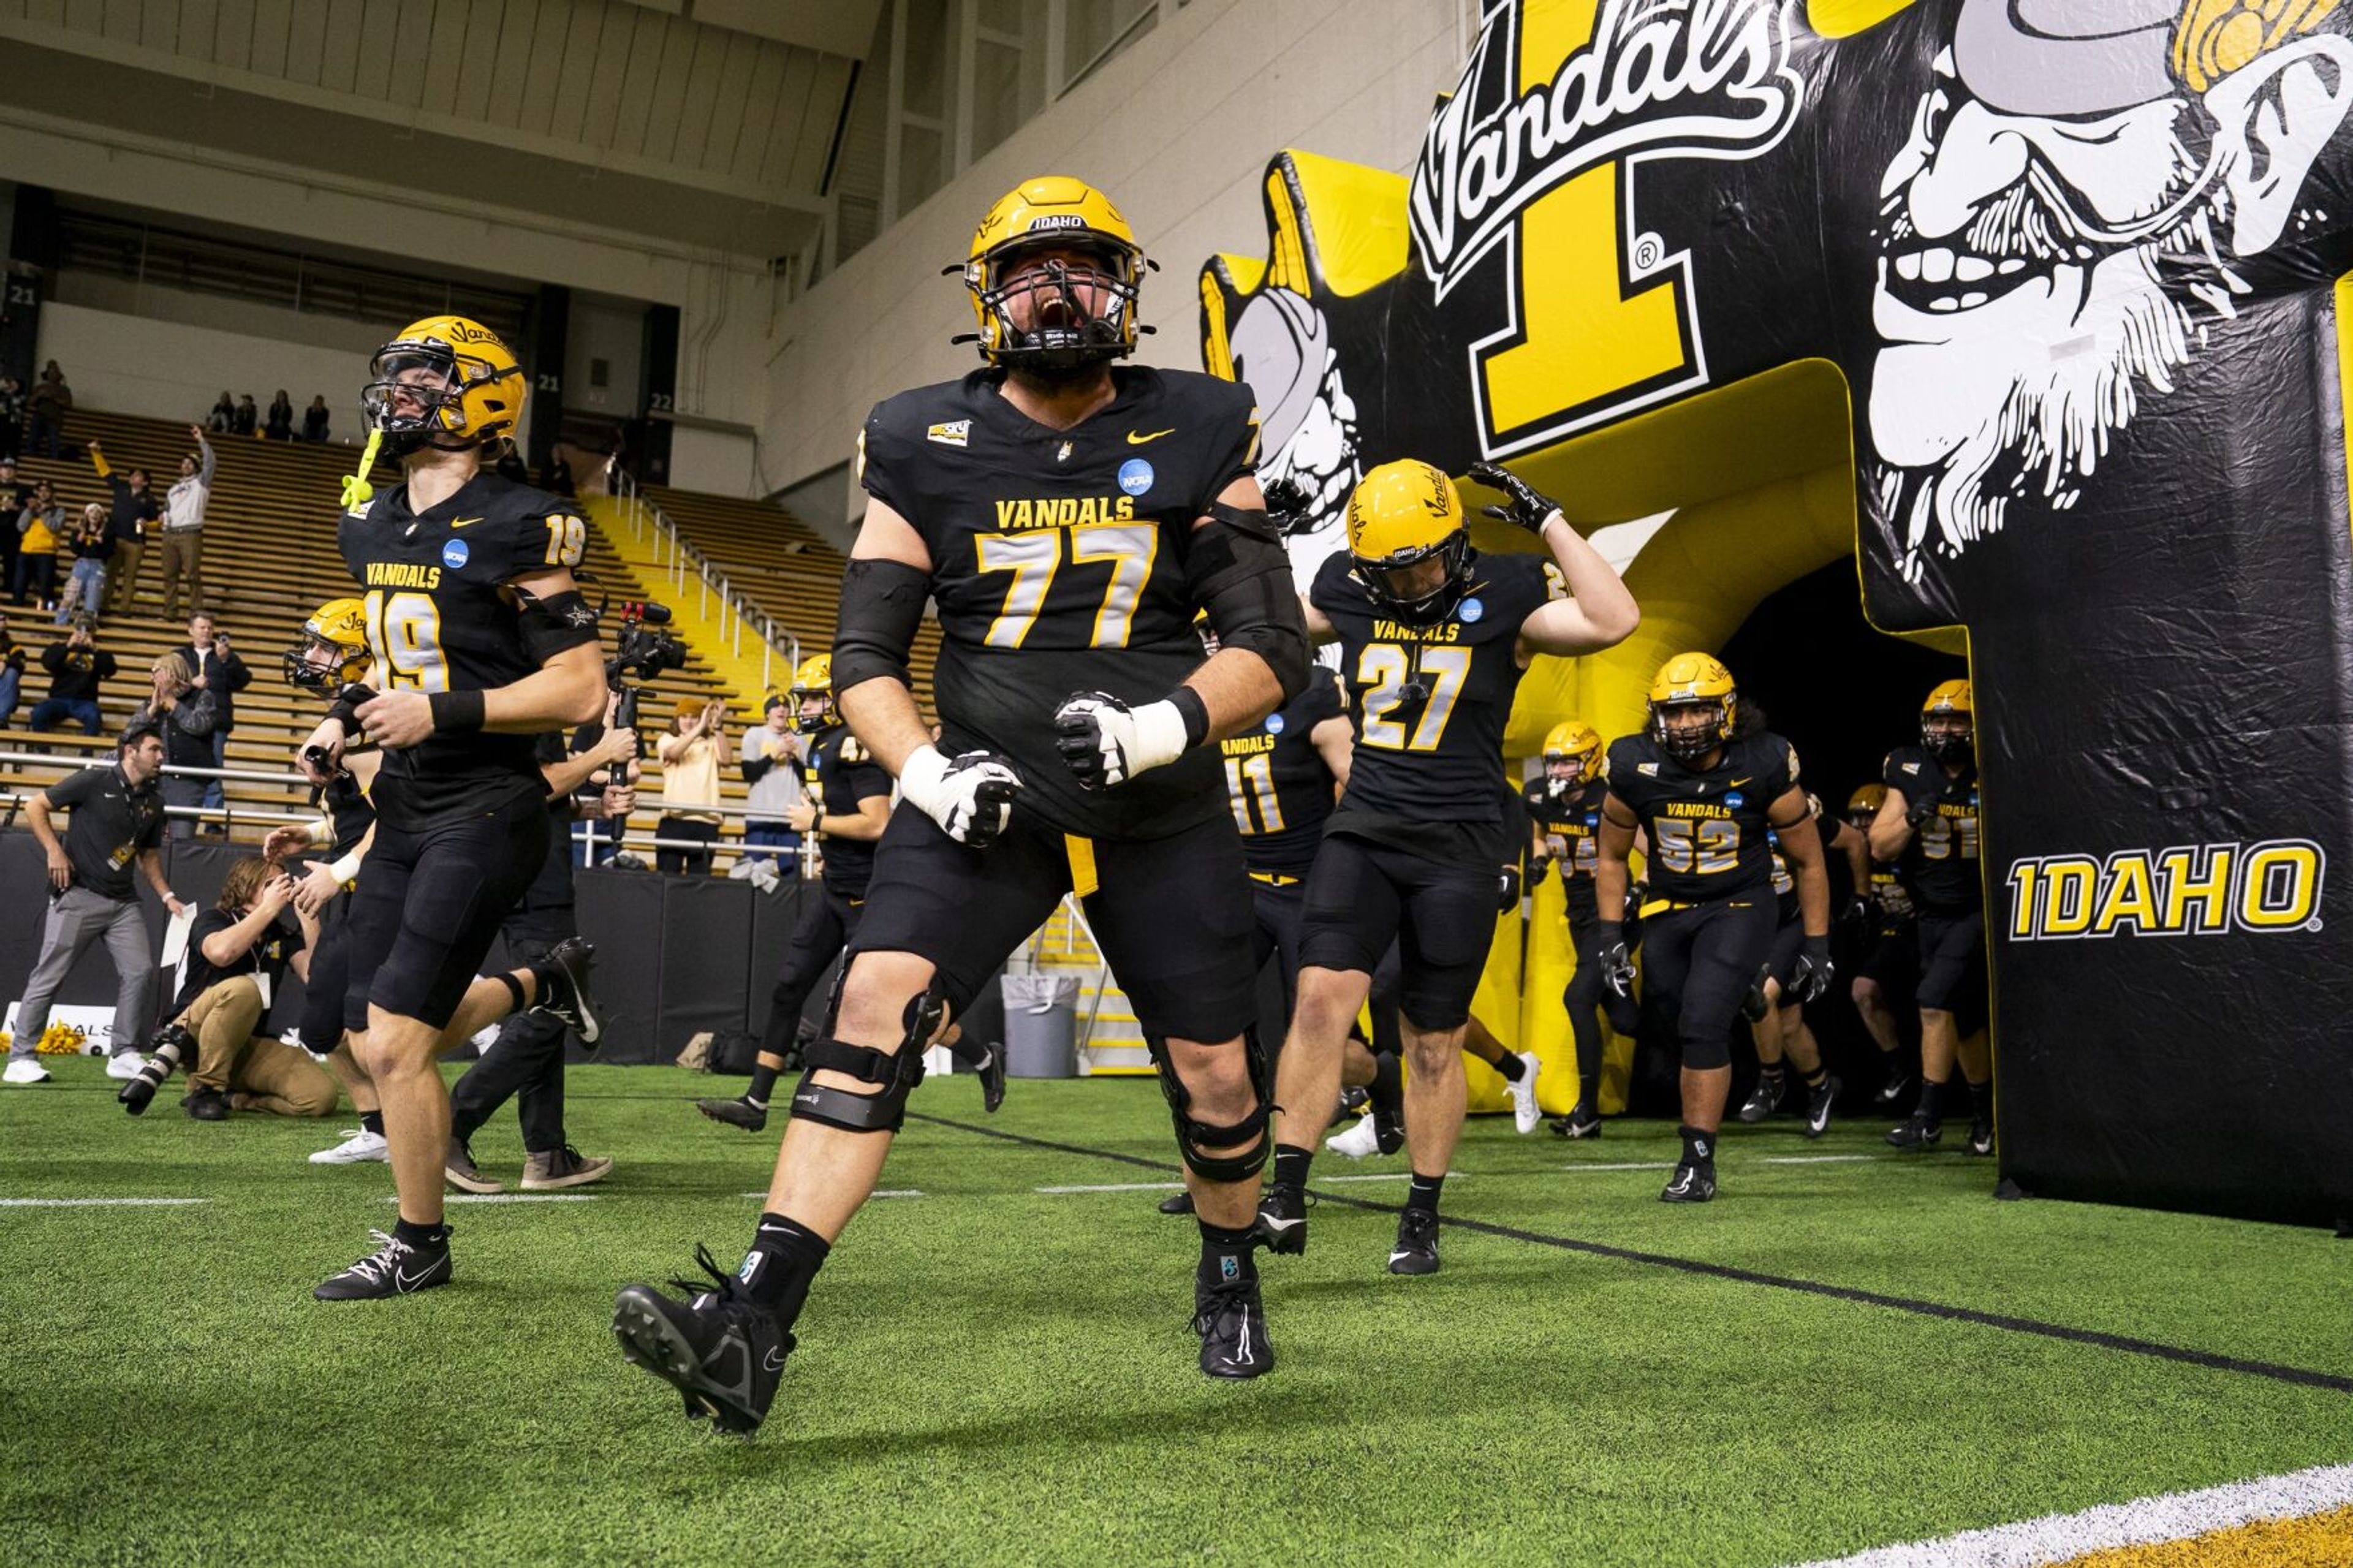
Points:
(170, 370)
(1178, 129)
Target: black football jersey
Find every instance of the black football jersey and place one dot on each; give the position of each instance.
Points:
(440, 619)
(1058, 566)
(1940, 865)
(1573, 816)
(1429, 704)
(347, 808)
(839, 774)
(1785, 870)
(1706, 830)
(1277, 782)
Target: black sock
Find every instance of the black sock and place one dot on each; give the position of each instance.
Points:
(1699, 1148)
(763, 1084)
(783, 1263)
(1423, 1194)
(417, 1235)
(372, 1121)
(1932, 1102)
(1771, 1074)
(1228, 1256)
(972, 1053)
(1815, 1079)
(1387, 1088)
(1291, 1166)
(1981, 1100)
(515, 990)
(1510, 1066)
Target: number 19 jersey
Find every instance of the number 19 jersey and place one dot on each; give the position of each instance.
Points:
(1057, 564)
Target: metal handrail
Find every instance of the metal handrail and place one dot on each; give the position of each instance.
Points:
(776, 638)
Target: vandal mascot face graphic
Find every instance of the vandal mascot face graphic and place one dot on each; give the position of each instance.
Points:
(1283, 348)
(2062, 226)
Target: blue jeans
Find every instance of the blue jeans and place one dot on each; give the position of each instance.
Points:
(11, 679)
(52, 712)
(773, 836)
(213, 797)
(85, 590)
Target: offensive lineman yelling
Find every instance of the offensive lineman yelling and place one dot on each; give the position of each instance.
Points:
(480, 642)
(1434, 640)
(1069, 518)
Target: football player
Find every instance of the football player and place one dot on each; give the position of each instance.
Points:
(1780, 1030)
(1563, 807)
(1706, 789)
(479, 641)
(1434, 640)
(1891, 951)
(1928, 826)
(1068, 516)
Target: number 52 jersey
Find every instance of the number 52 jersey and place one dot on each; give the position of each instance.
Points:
(1057, 564)
(441, 619)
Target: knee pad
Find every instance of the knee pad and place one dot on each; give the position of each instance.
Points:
(894, 1076)
(1193, 1136)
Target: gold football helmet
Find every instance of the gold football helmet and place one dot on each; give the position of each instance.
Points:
(1686, 684)
(1572, 753)
(333, 650)
(813, 682)
(1412, 548)
(1864, 803)
(1065, 331)
(443, 381)
(1948, 723)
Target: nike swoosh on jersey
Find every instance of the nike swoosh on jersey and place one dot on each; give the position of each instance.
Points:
(465, 522)
(1138, 437)
(1737, 783)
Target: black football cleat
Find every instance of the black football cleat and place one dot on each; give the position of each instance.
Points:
(563, 968)
(1582, 1121)
(395, 1267)
(1980, 1142)
(1819, 1102)
(1177, 1202)
(1917, 1131)
(1764, 1100)
(1692, 1183)
(1283, 1221)
(1899, 1085)
(1231, 1321)
(992, 1080)
(723, 1353)
(1416, 1251)
(736, 1112)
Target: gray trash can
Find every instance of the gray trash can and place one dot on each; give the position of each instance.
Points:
(1041, 1025)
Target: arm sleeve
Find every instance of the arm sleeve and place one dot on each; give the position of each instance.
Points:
(199, 716)
(205, 474)
(53, 658)
(755, 766)
(103, 666)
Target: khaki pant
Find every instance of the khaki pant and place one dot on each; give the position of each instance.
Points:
(267, 1076)
(123, 575)
(184, 551)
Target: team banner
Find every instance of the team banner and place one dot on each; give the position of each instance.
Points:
(2033, 306)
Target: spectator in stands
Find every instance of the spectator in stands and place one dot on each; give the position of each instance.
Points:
(247, 417)
(279, 426)
(75, 667)
(117, 823)
(135, 515)
(12, 672)
(223, 419)
(315, 418)
(219, 672)
(49, 400)
(91, 544)
(183, 526)
(511, 466)
(38, 526)
(556, 475)
(183, 715)
(14, 493)
(771, 758)
(690, 760)
(238, 952)
(11, 418)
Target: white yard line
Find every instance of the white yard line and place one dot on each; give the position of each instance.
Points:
(1632, 1165)
(885, 1193)
(1116, 1187)
(99, 1202)
(1819, 1159)
(515, 1198)
(2144, 1522)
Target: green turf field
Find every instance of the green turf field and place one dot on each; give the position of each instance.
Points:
(993, 1374)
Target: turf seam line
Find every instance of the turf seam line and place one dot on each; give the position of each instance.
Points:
(2303, 1376)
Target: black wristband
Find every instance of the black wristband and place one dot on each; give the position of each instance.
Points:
(1195, 712)
(455, 712)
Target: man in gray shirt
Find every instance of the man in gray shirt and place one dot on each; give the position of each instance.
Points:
(117, 822)
(771, 757)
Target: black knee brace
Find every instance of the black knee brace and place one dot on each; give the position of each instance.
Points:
(884, 1110)
(1193, 1136)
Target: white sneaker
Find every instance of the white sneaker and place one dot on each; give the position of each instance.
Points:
(124, 1065)
(358, 1145)
(24, 1069)
(1358, 1141)
(1524, 1114)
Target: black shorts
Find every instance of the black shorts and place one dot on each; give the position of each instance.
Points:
(1892, 959)
(1280, 909)
(1698, 962)
(1953, 966)
(329, 978)
(429, 904)
(1362, 896)
(1172, 915)
(826, 921)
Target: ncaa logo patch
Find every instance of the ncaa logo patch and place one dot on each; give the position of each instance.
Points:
(1136, 475)
(1735, 799)
(455, 554)
(1275, 724)
(1472, 610)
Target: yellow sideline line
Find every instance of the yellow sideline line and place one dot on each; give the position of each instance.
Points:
(2303, 1517)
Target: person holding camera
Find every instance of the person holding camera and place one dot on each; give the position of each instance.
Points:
(690, 760)
(117, 823)
(218, 670)
(184, 715)
(77, 667)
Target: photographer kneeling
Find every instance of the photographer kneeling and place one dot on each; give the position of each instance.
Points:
(237, 953)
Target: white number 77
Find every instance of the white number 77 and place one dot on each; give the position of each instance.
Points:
(1034, 558)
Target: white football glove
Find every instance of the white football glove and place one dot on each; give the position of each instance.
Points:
(1106, 742)
(971, 798)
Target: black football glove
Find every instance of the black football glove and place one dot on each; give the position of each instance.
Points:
(1289, 505)
(1538, 866)
(1859, 911)
(1526, 507)
(1507, 889)
(1616, 962)
(1919, 811)
(1811, 980)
